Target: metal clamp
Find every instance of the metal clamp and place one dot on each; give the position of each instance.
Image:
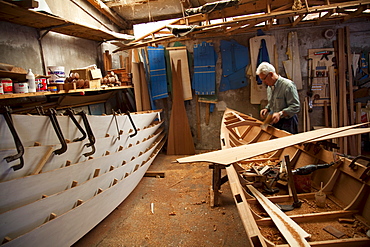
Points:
(132, 123)
(89, 134)
(18, 144)
(366, 174)
(53, 118)
(70, 113)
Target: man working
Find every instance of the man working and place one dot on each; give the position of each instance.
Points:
(283, 100)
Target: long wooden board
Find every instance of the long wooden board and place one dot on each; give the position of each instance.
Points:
(254, 235)
(350, 132)
(291, 231)
(180, 53)
(236, 154)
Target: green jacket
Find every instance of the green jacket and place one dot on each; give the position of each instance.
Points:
(284, 97)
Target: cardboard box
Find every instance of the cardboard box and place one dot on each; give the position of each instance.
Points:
(88, 74)
(95, 84)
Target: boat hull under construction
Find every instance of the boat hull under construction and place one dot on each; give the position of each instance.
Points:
(293, 189)
(52, 193)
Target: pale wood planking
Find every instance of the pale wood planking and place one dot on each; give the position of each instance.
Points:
(236, 154)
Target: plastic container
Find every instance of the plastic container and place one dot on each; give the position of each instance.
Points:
(320, 198)
(31, 81)
(20, 87)
(57, 74)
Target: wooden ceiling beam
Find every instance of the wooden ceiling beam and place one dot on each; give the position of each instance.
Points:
(356, 13)
(115, 18)
(236, 23)
(325, 17)
(300, 18)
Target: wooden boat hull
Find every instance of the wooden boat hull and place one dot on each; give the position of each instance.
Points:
(65, 200)
(247, 150)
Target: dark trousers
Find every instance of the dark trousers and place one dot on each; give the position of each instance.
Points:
(288, 124)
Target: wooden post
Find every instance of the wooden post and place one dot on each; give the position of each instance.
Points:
(216, 185)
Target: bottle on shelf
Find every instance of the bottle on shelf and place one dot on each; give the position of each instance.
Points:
(31, 81)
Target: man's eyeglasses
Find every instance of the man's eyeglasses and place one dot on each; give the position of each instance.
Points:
(263, 79)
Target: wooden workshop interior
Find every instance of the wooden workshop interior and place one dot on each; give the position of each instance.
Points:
(194, 60)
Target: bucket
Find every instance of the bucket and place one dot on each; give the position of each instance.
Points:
(7, 84)
(20, 87)
(57, 74)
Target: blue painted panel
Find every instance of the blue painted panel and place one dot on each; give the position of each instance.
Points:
(235, 58)
(158, 78)
(204, 79)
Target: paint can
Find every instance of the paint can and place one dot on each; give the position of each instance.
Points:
(41, 85)
(20, 87)
(7, 85)
(57, 74)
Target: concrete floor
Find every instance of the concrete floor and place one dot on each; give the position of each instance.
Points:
(182, 215)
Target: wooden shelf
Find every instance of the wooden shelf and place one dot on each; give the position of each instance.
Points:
(14, 14)
(21, 95)
(13, 75)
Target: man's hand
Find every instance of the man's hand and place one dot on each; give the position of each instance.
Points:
(263, 113)
(276, 117)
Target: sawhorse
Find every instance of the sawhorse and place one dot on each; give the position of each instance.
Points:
(217, 181)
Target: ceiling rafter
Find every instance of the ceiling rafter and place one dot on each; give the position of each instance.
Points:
(115, 18)
(300, 18)
(268, 16)
(325, 17)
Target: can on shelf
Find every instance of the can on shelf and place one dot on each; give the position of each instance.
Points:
(41, 84)
(7, 85)
(1, 89)
(20, 87)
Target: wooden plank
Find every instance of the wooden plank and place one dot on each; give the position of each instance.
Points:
(155, 174)
(358, 120)
(333, 98)
(343, 115)
(42, 162)
(180, 140)
(144, 89)
(254, 235)
(228, 156)
(180, 53)
(197, 109)
(137, 85)
(291, 231)
(345, 133)
(294, 58)
(333, 231)
(258, 92)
